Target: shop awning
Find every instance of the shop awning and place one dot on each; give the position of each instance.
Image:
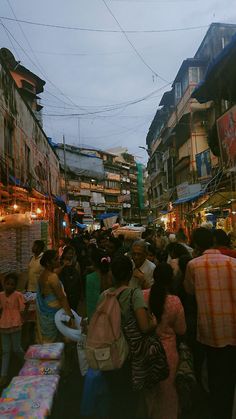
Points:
(188, 198)
(107, 215)
(217, 199)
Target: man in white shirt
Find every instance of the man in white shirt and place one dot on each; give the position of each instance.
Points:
(143, 268)
(35, 268)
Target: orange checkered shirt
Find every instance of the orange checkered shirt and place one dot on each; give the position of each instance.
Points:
(212, 278)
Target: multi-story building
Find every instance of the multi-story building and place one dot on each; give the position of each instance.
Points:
(29, 166)
(181, 163)
(97, 181)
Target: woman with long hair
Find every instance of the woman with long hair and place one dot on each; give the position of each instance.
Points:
(50, 298)
(168, 310)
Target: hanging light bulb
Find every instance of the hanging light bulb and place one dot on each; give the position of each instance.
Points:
(15, 206)
(38, 211)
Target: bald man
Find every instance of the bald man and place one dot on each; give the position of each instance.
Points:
(143, 268)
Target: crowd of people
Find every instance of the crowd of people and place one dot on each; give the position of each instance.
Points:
(185, 291)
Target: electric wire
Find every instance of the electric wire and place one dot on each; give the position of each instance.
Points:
(77, 28)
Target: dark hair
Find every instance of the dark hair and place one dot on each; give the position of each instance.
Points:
(116, 242)
(221, 238)
(151, 249)
(183, 261)
(47, 257)
(202, 238)
(66, 250)
(11, 275)
(180, 235)
(163, 278)
(176, 250)
(100, 260)
(122, 269)
(40, 244)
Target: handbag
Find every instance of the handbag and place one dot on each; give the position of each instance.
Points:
(148, 358)
(185, 379)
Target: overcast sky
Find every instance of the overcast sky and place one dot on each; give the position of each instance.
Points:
(87, 72)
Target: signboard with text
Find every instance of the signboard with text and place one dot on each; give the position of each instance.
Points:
(226, 126)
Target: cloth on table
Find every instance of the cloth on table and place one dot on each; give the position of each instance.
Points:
(33, 388)
(40, 367)
(45, 351)
(23, 409)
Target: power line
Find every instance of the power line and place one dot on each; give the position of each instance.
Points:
(40, 69)
(77, 28)
(114, 108)
(132, 45)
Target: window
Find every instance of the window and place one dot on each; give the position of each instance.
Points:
(8, 138)
(178, 91)
(185, 82)
(194, 75)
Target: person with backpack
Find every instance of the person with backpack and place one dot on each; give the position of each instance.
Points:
(119, 375)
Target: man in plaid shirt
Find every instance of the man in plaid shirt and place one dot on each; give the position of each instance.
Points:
(211, 277)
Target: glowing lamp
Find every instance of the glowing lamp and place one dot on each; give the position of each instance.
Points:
(15, 206)
(38, 211)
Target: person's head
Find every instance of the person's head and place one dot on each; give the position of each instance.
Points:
(10, 283)
(151, 253)
(221, 238)
(38, 247)
(50, 260)
(163, 280)
(180, 236)
(176, 250)
(101, 260)
(202, 239)
(102, 241)
(113, 245)
(122, 270)
(139, 252)
(68, 253)
(172, 238)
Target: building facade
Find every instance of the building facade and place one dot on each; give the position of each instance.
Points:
(183, 168)
(29, 166)
(97, 182)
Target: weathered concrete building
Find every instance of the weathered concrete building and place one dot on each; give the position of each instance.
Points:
(29, 166)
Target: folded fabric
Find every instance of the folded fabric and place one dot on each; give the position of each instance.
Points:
(40, 367)
(34, 388)
(23, 409)
(45, 351)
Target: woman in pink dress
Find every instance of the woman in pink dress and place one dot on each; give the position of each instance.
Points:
(168, 310)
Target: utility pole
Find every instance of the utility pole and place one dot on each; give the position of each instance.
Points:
(65, 167)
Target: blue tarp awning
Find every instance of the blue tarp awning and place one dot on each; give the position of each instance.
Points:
(107, 215)
(188, 198)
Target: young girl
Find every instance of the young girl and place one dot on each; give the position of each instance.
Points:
(12, 307)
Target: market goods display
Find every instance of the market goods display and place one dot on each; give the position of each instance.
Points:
(34, 367)
(129, 232)
(33, 388)
(46, 351)
(27, 409)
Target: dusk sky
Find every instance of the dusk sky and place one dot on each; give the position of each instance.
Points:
(103, 82)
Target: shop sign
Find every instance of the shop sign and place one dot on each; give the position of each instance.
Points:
(226, 126)
(113, 176)
(185, 190)
(203, 163)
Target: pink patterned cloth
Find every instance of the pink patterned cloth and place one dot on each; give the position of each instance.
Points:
(45, 351)
(11, 307)
(163, 400)
(36, 367)
(23, 409)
